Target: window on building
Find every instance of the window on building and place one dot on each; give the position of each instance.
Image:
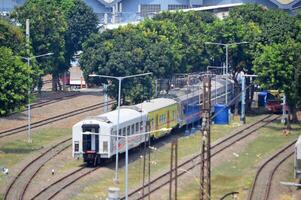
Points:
(119, 132)
(149, 9)
(177, 6)
(196, 6)
(119, 7)
(128, 130)
(124, 131)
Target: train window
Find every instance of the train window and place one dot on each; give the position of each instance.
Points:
(76, 146)
(124, 131)
(133, 129)
(128, 130)
(137, 126)
(93, 128)
(141, 126)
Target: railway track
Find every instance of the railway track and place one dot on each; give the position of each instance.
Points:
(191, 163)
(53, 119)
(19, 185)
(261, 186)
(16, 188)
(55, 188)
(54, 100)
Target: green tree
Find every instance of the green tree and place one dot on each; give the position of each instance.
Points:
(14, 82)
(276, 26)
(47, 31)
(297, 81)
(81, 22)
(11, 36)
(278, 68)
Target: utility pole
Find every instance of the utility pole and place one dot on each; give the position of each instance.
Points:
(105, 91)
(283, 119)
(29, 86)
(173, 168)
(205, 174)
(243, 100)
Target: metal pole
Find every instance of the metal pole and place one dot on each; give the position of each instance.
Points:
(171, 170)
(105, 90)
(227, 45)
(243, 100)
(28, 109)
(215, 89)
(126, 166)
(117, 138)
(156, 88)
(176, 169)
(28, 93)
(283, 109)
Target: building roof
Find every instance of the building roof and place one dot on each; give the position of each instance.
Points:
(109, 2)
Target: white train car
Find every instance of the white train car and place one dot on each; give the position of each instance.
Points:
(95, 138)
(297, 158)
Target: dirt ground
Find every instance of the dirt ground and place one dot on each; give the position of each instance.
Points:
(44, 112)
(217, 160)
(76, 188)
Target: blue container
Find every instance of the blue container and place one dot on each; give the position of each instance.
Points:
(222, 114)
(262, 98)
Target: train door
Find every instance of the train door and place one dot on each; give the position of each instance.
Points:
(147, 129)
(157, 122)
(97, 143)
(168, 119)
(86, 142)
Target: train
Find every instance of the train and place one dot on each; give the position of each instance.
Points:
(297, 159)
(94, 138)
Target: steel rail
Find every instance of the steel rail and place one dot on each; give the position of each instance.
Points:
(251, 193)
(44, 153)
(197, 156)
(29, 164)
(54, 119)
(34, 175)
(70, 183)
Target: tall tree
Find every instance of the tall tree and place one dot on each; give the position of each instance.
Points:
(11, 36)
(14, 81)
(278, 67)
(81, 22)
(47, 31)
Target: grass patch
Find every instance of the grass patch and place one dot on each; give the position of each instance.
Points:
(13, 152)
(159, 162)
(237, 174)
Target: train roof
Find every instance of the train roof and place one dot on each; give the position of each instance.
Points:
(110, 118)
(126, 114)
(155, 104)
(195, 90)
